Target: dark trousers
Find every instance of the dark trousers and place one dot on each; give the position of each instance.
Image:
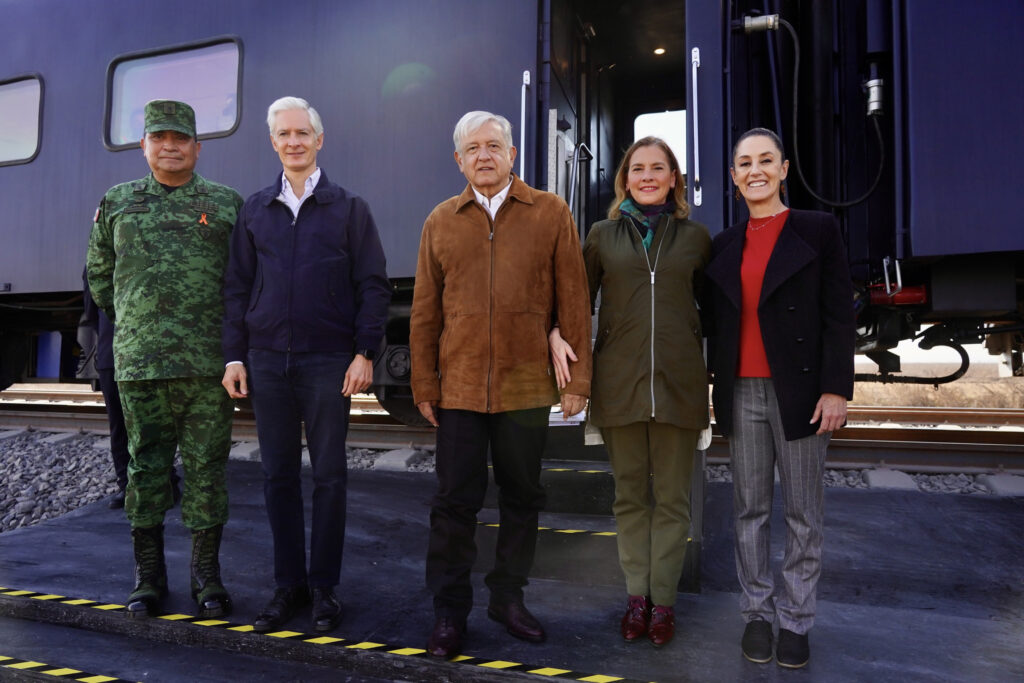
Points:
(115, 418)
(516, 440)
(288, 389)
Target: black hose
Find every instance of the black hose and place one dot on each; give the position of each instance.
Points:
(796, 153)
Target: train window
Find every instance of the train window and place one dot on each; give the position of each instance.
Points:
(21, 115)
(207, 76)
(670, 126)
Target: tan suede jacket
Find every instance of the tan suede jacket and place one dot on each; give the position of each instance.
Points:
(486, 295)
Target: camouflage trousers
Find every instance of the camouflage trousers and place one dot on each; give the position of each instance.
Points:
(162, 415)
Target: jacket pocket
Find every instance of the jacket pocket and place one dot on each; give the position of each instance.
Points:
(339, 282)
(442, 347)
(257, 289)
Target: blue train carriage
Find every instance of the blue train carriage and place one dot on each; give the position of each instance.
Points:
(904, 123)
(391, 78)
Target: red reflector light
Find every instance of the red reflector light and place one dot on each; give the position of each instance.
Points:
(908, 296)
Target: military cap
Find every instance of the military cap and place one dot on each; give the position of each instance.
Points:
(170, 115)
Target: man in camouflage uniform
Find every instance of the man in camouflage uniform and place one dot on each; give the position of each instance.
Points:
(156, 260)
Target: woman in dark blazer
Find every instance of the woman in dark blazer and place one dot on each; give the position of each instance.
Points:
(780, 320)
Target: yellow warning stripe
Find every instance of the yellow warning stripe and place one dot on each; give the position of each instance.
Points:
(569, 469)
(566, 532)
(56, 672)
(468, 660)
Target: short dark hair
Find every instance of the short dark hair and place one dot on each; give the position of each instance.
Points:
(757, 132)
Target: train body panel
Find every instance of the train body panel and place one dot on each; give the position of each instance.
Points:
(963, 98)
(390, 80)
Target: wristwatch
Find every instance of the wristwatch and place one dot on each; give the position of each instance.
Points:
(369, 354)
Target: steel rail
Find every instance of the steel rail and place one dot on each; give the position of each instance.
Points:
(920, 448)
(903, 415)
(365, 430)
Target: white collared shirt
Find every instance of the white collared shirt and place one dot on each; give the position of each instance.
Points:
(287, 195)
(494, 203)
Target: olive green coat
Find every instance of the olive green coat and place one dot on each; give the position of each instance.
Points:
(648, 353)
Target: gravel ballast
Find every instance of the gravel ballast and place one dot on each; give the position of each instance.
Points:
(42, 477)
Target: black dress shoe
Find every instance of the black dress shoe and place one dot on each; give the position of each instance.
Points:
(281, 608)
(517, 620)
(326, 609)
(116, 501)
(793, 650)
(446, 638)
(757, 641)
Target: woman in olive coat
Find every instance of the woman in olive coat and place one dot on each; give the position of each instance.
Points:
(649, 392)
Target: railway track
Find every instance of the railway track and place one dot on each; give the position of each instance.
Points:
(920, 439)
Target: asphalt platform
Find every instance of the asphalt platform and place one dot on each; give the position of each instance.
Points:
(915, 587)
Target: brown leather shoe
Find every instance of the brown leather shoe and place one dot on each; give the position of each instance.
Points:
(446, 638)
(517, 620)
(636, 619)
(663, 625)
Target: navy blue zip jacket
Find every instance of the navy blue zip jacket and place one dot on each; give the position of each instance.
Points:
(315, 283)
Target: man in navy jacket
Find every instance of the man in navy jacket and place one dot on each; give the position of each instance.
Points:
(306, 297)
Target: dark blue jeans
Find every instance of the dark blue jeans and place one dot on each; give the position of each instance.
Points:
(288, 389)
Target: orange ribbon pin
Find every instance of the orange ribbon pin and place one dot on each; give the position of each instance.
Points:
(202, 219)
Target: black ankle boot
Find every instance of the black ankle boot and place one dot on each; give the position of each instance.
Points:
(207, 589)
(150, 571)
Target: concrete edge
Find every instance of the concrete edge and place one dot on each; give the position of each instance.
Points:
(371, 662)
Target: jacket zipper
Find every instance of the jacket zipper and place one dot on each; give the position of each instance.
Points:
(295, 219)
(651, 268)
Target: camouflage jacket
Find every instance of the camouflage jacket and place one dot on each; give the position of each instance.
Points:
(156, 264)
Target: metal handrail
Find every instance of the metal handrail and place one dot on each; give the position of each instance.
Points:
(694, 63)
(572, 172)
(522, 127)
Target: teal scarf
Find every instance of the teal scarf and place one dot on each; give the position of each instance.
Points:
(646, 217)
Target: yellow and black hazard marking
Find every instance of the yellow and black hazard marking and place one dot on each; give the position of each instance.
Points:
(570, 469)
(315, 641)
(62, 673)
(566, 532)
(64, 600)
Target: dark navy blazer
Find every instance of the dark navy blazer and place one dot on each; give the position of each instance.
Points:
(806, 314)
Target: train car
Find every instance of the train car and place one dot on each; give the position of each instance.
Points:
(906, 102)
(899, 117)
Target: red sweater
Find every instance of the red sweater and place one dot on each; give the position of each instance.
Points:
(762, 233)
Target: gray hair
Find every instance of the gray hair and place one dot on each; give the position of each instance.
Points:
(472, 121)
(287, 103)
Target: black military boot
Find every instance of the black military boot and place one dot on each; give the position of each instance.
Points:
(207, 590)
(150, 571)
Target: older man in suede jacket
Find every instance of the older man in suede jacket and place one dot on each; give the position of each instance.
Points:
(498, 265)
